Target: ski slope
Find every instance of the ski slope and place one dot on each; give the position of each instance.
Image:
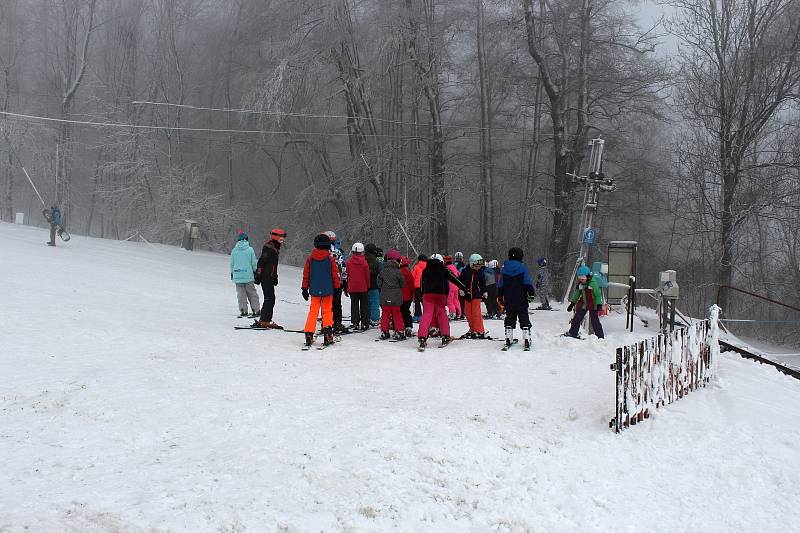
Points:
(129, 403)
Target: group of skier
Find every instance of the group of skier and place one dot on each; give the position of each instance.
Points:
(383, 287)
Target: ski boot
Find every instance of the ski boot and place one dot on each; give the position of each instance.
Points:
(479, 336)
(255, 314)
(339, 328)
(399, 336)
(509, 338)
(327, 338)
(409, 332)
(243, 314)
(526, 337)
(423, 342)
(384, 336)
(364, 327)
(309, 341)
(446, 339)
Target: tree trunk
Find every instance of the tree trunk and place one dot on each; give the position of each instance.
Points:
(487, 197)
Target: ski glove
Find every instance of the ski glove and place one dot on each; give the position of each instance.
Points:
(570, 307)
(531, 297)
(305, 294)
(485, 296)
(275, 280)
(461, 293)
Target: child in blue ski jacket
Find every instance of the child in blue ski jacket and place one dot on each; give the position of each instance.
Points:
(515, 290)
(243, 267)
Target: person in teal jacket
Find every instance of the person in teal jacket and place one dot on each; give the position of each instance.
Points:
(587, 297)
(243, 267)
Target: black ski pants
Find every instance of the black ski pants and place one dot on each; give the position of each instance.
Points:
(337, 306)
(593, 317)
(269, 301)
(491, 302)
(515, 313)
(418, 302)
(405, 310)
(359, 309)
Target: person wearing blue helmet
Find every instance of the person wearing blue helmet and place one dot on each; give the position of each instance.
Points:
(543, 284)
(586, 298)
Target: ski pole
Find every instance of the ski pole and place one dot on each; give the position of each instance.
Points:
(407, 237)
(34, 186)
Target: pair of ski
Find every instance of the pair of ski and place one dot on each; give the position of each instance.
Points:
(507, 346)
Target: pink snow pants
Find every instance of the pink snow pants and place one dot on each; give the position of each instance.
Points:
(433, 305)
(453, 305)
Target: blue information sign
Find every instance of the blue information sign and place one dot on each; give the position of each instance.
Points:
(589, 235)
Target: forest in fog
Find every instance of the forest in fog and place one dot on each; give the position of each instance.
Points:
(459, 121)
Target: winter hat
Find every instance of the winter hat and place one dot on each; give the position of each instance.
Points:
(393, 255)
(448, 259)
(322, 241)
(583, 270)
(542, 261)
(241, 236)
(278, 233)
(515, 253)
(370, 248)
(422, 257)
(358, 247)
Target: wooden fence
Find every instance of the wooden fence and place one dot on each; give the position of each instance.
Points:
(663, 369)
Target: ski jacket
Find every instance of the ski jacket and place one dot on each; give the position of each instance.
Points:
(390, 282)
(267, 270)
(374, 268)
(490, 276)
(243, 262)
(587, 295)
(358, 275)
(320, 275)
(436, 279)
(57, 216)
(417, 273)
(452, 268)
(460, 265)
(408, 283)
(543, 280)
(475, 280)
(515, 284)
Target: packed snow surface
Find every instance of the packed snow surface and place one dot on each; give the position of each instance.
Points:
(129, 403)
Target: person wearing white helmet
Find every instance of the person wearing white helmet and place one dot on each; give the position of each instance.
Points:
(338, 327)
(358, 281)
(475, 281)
(436, 280)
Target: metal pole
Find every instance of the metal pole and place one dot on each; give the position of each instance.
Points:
(406, 234)
(34, 187)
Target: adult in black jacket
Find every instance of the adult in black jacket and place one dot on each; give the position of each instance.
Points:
(267, 275)
(371, 254)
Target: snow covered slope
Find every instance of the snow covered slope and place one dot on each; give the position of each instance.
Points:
(129, 403)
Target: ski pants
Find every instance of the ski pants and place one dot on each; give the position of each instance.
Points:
(374, 305)
(521, 313)
(324, 303)
(337, 306)
(246, 292)
(491, 302)
(544, 297)
(359, 308)
(474, 315)
(392, 311)
(53, 233)
(578, 318)
(462, 301)
(405, 310)
(433, 307)
(417, 302)
(453, 303)
(269, 300)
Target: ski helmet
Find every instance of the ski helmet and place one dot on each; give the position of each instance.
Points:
(583, 270)
(475, 259)
(277, 234)
(448, 259)
(370, 248)
(331, 235)
(515, 253)
(422, 257)
(437, 257)
(493, 263)
(393, 255)
(358, 247)
(459, 255)
(542, 261)
(322, 241)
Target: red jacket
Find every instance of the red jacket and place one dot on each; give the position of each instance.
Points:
(408, 283)
(357, 274)
(318, 255)
(417, 273)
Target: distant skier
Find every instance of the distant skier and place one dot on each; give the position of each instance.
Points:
(492, 310)
(53, 216)
(459, 262)
(436, 280)
(515, 289)
(475, 280)
(587, 297)
(390, 283)
(338, 327)
(543, 284)
(267, 276)
(320, 282)
(243, 268)
(422, 262)
(454, 310)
